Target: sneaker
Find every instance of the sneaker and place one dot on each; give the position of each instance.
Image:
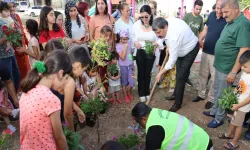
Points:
(15, 112)
(189, 83)
(119, 101)
(215, 124)
(171, 91)
(142, 99)
(127, 100)
(130, 97)
(11, 128)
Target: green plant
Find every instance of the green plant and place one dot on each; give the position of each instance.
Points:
(129, 141)
(149, 47)
(112, 69)
(63, 41)
(94, 105)
(73, 139)
(3, 137)
(101, 52)
(228, 98)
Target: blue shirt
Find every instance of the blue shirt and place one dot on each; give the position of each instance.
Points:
(215, 27)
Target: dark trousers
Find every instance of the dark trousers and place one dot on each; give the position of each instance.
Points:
(183, 66)
(13, 70)
(144, 66)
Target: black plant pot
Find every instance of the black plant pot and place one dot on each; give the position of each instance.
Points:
(229, 111)
(116, 74)
(150, 56)
(90, 119)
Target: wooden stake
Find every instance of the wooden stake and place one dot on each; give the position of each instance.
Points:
(162, 66)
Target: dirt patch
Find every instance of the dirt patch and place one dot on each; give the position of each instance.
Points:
(116, 121)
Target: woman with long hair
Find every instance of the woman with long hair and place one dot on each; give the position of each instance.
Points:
(22, 58)
(141, 34)
(83, 10)
(48, 29)
(100, 19)
(74, 25)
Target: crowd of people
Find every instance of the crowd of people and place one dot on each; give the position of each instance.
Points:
(53, 69)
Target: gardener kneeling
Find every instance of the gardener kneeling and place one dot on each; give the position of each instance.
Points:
(169, 130)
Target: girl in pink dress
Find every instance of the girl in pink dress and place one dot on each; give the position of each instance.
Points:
(40, 124)
(5, 102)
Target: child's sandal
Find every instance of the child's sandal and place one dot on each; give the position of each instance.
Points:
(223, 136)
(119, 101)
(230, 146)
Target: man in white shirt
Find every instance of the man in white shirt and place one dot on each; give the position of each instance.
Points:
(183, 48)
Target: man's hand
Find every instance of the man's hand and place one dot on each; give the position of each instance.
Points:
(201, 43)
(230, 78)
(158, 77)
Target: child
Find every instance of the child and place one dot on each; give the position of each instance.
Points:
(5, 14)
(91, 83)
(114, 81)
(243, 106)
(123, 48)
(5, 17)
(33, 47)
(40, 124)
(106, 33)
(5, 102)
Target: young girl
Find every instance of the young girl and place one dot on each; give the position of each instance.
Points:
(33, 47)
(92, 84)
(5, 102)
(106, 33)
(123, 48)
(114, 81)
(40, 125)
(48, 29)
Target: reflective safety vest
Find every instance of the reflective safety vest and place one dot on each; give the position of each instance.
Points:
(180, 133)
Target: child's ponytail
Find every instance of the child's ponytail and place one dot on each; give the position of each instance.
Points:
(34, 76)
(118, 38)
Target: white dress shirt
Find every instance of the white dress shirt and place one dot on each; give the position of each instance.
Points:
(180, 40)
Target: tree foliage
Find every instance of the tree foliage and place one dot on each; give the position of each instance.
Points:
(244, 3)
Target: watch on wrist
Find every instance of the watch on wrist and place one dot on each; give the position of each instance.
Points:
(233, 73)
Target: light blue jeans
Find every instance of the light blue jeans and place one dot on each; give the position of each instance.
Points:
(220, 83)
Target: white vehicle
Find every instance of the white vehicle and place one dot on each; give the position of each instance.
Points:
(34, 11)
(21, 6)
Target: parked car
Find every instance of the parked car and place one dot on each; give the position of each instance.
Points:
(34, 11)
(21, 6)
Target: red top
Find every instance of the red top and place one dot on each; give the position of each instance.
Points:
(52, 35)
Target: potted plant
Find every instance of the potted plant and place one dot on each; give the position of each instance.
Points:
(227, 100)
(149, 49)
(73, 139)
(129, 141)
(113, 70)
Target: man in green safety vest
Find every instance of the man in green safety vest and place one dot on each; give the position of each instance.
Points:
(170, 131)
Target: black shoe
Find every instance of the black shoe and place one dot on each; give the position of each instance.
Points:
(209, 105)
(175, 108)
(189, 83)
(172, 97)
(197, 99)
(12, 120)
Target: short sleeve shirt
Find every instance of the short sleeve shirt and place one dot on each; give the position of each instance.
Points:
(215, 27)
(52, 35)
(234, 36)
(128, 59)
(243, 91)
(194, 22)
(121, 25)
(36, 131)
(97, 23)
